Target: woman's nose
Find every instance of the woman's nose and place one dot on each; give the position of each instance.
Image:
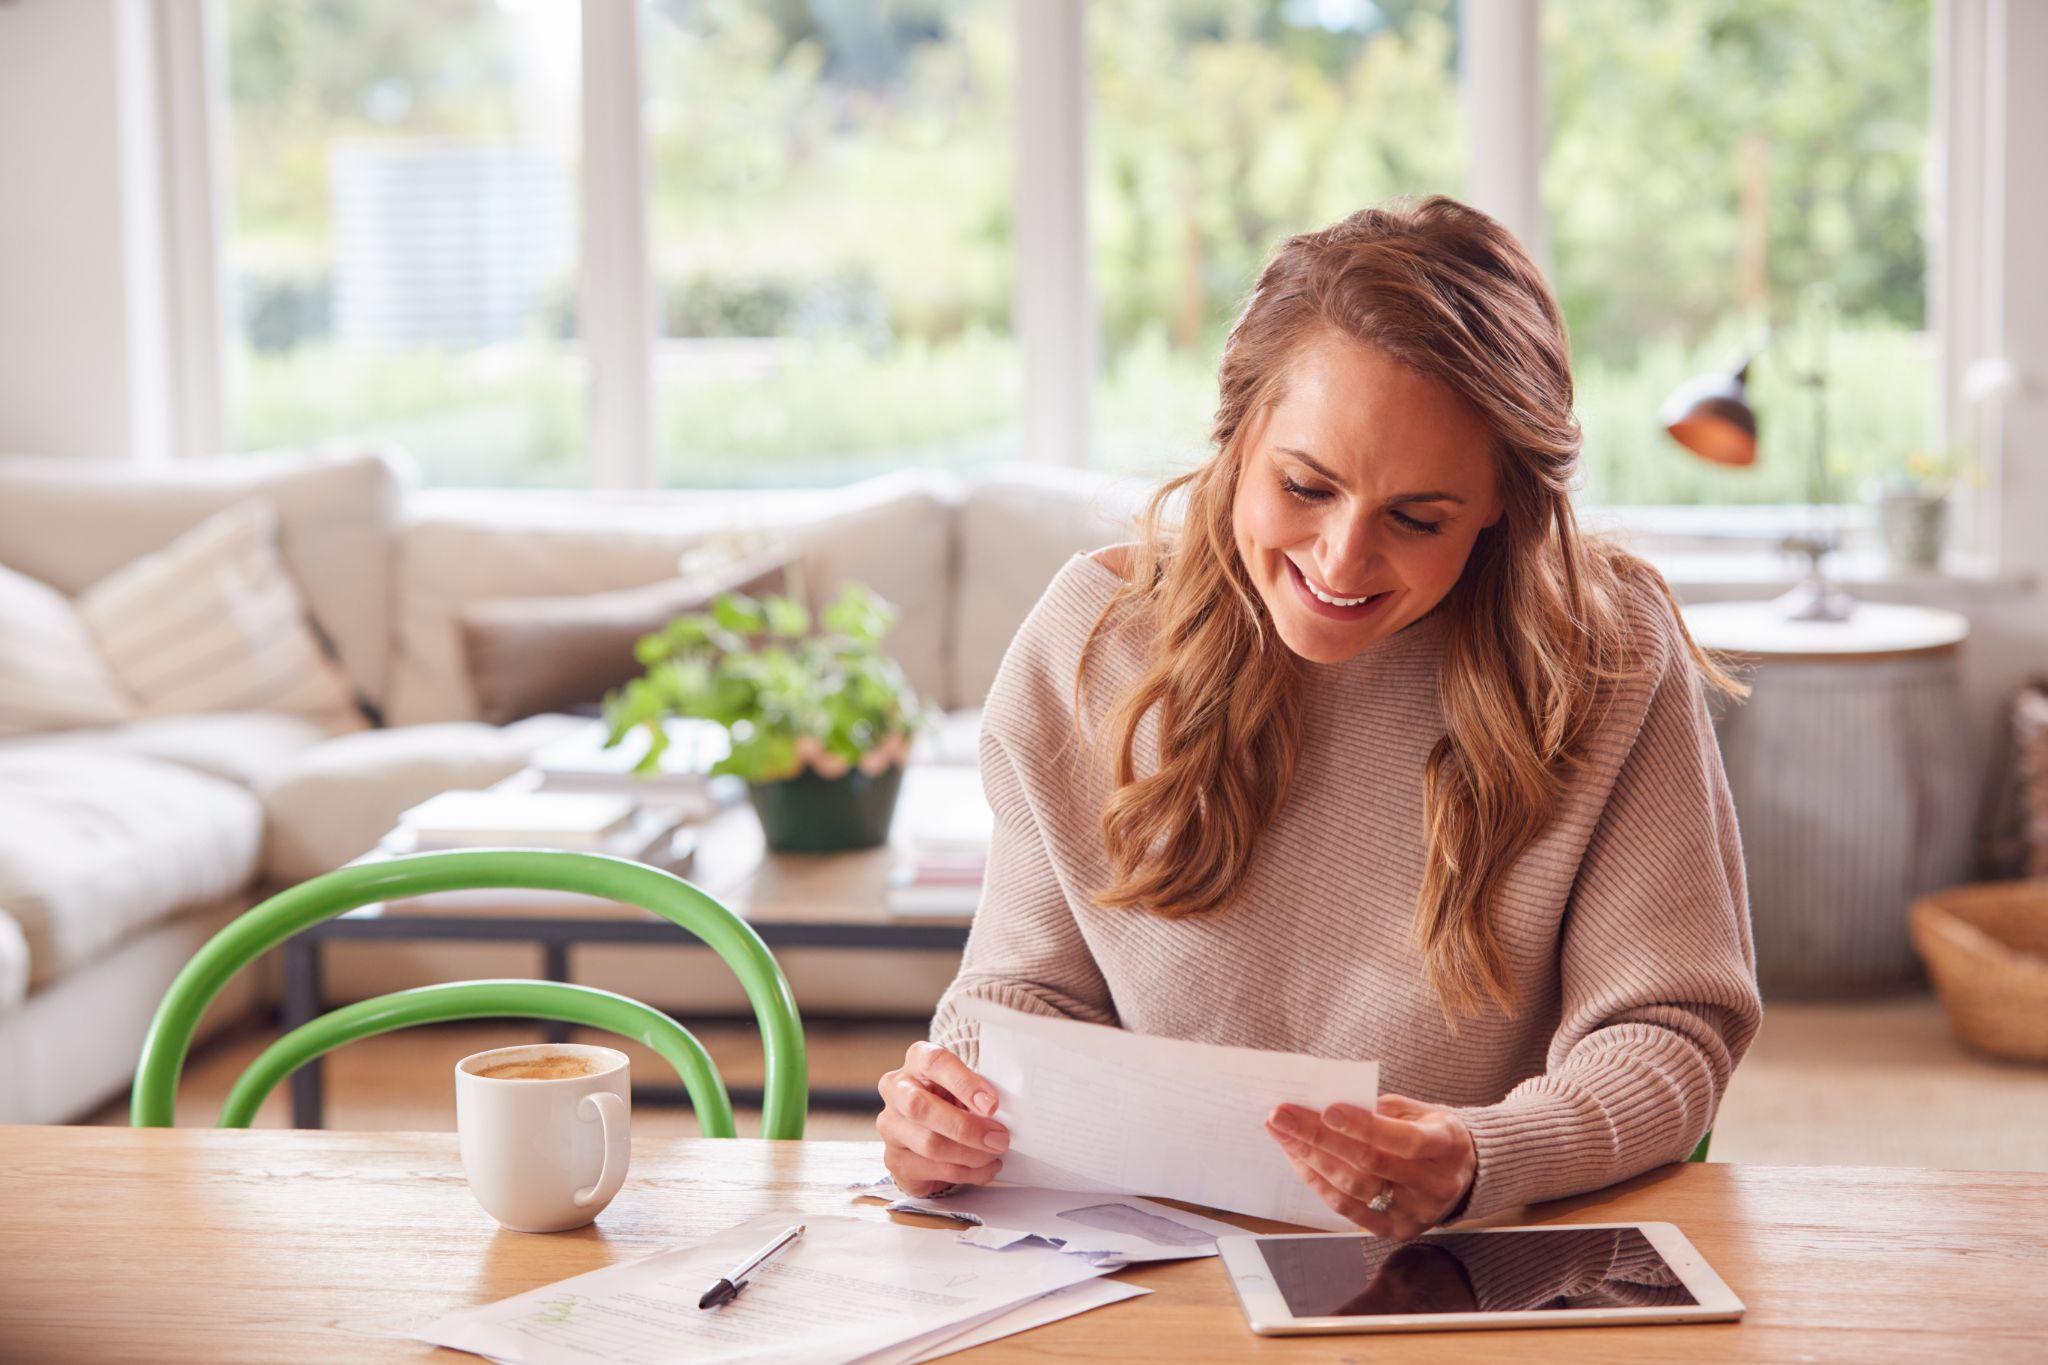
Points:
(1350, 556)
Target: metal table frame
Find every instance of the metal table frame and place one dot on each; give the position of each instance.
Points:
(556, 935)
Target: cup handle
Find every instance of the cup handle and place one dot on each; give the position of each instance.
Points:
(611, 1112)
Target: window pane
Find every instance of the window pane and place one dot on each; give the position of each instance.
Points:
(832, 237)
(1217, 128)
(1708, 163)
(403, 230)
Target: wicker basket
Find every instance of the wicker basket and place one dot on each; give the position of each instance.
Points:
(1986, 946)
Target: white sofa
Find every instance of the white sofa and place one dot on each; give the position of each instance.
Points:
(122, 849)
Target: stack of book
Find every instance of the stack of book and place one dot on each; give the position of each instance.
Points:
(943, 827)
(580, 763)
(505, 817)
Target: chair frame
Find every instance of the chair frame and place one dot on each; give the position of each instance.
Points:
(258, 930)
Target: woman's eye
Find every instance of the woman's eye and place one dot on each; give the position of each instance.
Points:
(1418, 528)
(1303, 492)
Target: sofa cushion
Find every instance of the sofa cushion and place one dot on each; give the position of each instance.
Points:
(72, 522)
(892, 533)
(212, 622)
(94, 850)
(338, 798)
(529, 656)
(1017, 527)
(242, 747)
(52, 676)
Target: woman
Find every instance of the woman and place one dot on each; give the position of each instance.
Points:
(1371, 754)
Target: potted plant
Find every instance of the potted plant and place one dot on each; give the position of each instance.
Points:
(820, 720)
(1912, 508)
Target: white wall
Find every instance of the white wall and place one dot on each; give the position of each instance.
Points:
(81, 287)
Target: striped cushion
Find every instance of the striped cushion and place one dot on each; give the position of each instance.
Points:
(51, 674)
(212, 622)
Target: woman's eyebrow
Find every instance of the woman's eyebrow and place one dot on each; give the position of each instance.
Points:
(1433, 495)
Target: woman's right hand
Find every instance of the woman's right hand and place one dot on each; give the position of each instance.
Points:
(935, 1124)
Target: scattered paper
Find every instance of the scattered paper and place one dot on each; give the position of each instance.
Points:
(1075, 1299)
(1095, 1108)
(1112, 1230)
(848, 1288)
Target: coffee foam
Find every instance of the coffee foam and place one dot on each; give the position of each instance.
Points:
(553, 1066)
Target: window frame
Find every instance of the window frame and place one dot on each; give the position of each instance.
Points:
(1501, 88)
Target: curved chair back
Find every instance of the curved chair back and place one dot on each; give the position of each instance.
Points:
(786, 1087)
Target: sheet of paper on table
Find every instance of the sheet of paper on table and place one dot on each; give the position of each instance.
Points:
(1096, 1108)
(1046, 1308)
(850, 1287)
(1109, 1229)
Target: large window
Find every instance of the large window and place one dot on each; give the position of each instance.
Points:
(1217, 128)
(834, 196)
(402, 231)
(832, 241)
(1715, 169)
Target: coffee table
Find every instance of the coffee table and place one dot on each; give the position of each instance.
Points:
(829, 901)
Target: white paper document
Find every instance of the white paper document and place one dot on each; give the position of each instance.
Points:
(1096, 1108)
(1108, 1229)
(849, 1287)
(1060, 1303)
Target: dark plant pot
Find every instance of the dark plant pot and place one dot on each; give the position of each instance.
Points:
(812, 814)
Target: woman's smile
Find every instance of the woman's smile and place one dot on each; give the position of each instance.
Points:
(1326, 603)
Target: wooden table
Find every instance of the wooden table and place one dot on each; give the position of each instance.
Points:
(163, 1244)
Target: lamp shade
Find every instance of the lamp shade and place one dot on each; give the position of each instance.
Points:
(1710, 415)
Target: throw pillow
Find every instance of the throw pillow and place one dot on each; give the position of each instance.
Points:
(531, 655)
(212, 622)
(51, 674)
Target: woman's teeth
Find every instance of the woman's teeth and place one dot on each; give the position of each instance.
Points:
(1322, 596)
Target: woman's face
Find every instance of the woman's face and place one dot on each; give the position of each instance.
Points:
(1362, 492)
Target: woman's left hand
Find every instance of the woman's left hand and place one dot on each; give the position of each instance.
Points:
(1350, 1156)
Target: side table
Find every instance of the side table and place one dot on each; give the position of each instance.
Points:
(1850, 765)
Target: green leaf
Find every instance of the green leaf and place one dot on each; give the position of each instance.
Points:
(739, 614)
(787, 617)
(859, 614)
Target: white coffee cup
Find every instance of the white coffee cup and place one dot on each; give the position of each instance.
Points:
(544, 1155)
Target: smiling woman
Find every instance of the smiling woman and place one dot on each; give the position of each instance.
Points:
(1378, 757)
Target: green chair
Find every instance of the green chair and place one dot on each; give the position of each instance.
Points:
(786, 1089)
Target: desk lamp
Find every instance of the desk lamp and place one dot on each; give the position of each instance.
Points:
(1710, 416)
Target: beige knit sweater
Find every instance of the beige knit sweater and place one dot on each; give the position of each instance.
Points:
(1626, 923)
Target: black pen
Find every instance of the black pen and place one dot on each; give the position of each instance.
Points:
(728, 1289)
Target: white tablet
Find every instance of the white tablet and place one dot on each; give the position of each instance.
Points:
(1573, 1275)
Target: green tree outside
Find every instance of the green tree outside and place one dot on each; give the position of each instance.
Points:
(833, 225)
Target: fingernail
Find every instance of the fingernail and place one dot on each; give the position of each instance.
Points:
(996, 1140)
(985, 1102)
(1285, 1121)
(1337, 1119)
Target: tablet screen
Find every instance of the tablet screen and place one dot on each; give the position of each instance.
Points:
(1489, 1272)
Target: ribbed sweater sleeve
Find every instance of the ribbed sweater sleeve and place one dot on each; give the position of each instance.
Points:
(1024, 950)
(1658, 994)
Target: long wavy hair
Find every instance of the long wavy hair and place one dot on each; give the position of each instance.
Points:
(1536, 634)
